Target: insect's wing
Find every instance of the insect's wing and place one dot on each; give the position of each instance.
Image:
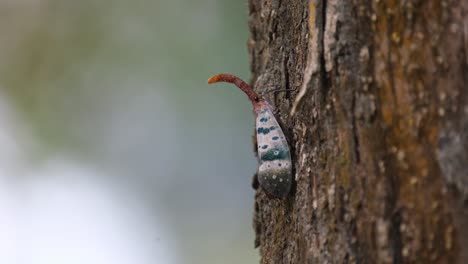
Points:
(275, 170)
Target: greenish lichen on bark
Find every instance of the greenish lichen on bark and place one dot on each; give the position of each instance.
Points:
(378, 129)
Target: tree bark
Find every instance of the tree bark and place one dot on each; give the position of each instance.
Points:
(378, 129)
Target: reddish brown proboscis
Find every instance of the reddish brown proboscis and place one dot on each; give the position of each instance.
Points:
(253, 96)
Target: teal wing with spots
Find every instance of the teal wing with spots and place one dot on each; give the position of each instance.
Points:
(275, 169)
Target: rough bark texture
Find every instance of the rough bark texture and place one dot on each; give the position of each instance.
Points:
(378, 126)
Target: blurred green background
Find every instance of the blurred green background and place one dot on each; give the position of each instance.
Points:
(113, 149)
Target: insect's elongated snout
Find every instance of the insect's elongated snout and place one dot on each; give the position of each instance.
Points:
(222, 77)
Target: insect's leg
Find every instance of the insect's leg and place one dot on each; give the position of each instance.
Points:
(255, 183)
(254, 144)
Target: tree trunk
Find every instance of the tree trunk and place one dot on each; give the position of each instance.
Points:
(378, 129)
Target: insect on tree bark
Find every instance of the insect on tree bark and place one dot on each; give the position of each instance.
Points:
(274, 172)
(377, 125)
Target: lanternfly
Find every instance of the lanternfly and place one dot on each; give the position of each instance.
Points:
(275, 169)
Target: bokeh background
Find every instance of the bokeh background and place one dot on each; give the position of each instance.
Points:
(113, 149)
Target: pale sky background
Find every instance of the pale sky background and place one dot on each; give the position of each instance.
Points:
(113, 149)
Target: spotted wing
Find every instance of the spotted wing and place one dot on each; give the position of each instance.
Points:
(275, 169)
